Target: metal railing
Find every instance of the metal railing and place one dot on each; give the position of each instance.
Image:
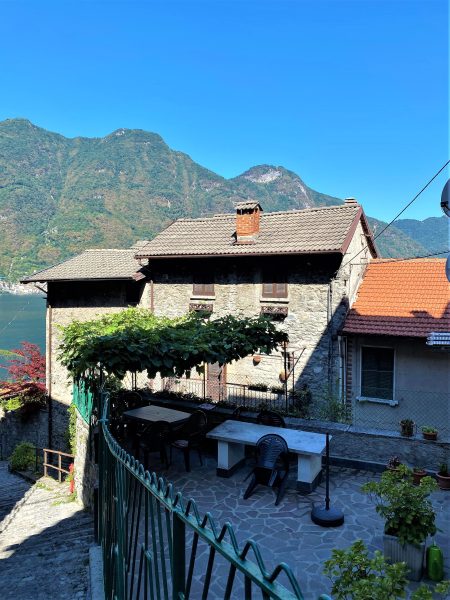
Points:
(156, 545)
(59, 468)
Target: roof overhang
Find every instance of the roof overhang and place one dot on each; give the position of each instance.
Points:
(237, 254)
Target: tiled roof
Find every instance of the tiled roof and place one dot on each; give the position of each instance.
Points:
(402, 298)
(306, 231)
(246, 204)
(91, 264)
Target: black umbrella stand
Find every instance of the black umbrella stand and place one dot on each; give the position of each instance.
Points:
(327, 516)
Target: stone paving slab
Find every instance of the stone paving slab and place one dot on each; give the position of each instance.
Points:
(286, 533)
(12, 490)
(44, 549)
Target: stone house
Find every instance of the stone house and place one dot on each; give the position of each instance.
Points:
(396, 368)
(301, 267)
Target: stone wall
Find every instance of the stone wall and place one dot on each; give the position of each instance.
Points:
(15, 429)
(376, 447)
(85, 468)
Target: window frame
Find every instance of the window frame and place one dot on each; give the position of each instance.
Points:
(391, 400)
(274, 292)
(201, 288)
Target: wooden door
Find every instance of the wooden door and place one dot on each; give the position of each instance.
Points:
(216, 381)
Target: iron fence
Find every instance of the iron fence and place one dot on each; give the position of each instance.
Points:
(156, 545)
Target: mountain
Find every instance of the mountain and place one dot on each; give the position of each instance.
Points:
(433, 233)
(59, 196)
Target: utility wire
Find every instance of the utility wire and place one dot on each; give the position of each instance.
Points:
(397, 216)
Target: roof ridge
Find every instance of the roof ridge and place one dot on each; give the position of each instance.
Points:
(264, 215)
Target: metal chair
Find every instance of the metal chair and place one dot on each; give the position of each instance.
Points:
(154, 439)
(190, 437)
(270, 417)
(272, 465)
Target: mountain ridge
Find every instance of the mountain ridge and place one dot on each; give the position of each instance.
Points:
(59, 195)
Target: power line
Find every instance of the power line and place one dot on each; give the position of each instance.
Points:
(397, 216)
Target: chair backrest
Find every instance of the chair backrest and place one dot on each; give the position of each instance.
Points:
(198, 422)
(236, 415)
(131, 400)
(270, 417)
(268, 449)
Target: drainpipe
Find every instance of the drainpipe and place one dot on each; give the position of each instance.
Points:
(330, 332)
(49, 373)
(152, 298)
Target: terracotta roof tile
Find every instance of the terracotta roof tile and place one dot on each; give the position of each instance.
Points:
(315, 230)
(405, 298)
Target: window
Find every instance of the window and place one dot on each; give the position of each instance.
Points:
(203, 285)
(274, 285)
(377, 373)
(275, 290)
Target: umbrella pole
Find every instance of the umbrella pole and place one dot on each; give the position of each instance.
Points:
(327, 516)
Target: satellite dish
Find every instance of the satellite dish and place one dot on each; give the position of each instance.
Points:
(447, 268)
(445, 198)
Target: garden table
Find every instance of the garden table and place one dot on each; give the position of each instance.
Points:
(153, 413)
(233, 436)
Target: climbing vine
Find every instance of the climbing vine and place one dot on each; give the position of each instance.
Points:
(135, 340)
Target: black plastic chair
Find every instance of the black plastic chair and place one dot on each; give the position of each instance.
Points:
(236, 415)
(270, 417)
(154, 439)
(190, 437)
(272, 465)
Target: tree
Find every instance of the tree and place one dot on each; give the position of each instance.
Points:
(25, 374)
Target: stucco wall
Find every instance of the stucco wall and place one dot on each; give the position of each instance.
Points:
(421, 386)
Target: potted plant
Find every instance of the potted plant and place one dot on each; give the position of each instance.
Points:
(418, 474)
(393, 463)
(443, 477)
(407, 427)
(429, 433)
(408, 514)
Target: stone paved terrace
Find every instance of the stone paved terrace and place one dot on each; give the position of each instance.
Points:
(286, 533)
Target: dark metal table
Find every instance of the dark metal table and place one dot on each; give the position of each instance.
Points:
(152, 413)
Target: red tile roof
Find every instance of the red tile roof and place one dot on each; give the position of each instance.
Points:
(402, 298)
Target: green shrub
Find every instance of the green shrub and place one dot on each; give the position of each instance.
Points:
(23, 456)
(407, 512)
(71, 429)
(355, 575)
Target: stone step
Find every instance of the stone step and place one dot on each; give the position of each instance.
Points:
(44, 546)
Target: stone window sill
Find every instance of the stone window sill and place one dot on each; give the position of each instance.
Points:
(377, 400)
(198, 298)
(274, 300)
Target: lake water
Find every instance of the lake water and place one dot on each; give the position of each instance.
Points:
(22, 319)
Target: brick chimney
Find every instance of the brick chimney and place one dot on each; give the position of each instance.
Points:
(247, 221)
(351, 201)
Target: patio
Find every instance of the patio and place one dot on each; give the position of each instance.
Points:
(286, 533)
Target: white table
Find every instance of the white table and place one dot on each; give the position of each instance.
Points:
(233, 436)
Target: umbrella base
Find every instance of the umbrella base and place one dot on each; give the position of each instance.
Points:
(332, 517)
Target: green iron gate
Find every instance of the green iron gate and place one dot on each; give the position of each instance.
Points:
(156, 545)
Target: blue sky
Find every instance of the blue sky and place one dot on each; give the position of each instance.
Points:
(351, 95)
